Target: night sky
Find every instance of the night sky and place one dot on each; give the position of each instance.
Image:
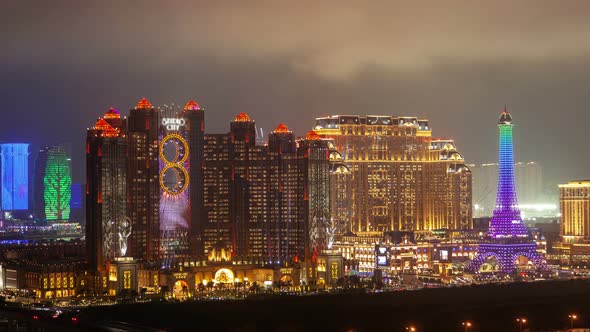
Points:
(457, 63)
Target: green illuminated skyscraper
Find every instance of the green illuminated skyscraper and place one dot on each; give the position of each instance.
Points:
(57, 183)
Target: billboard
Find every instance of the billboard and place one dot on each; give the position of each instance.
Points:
(382, 256)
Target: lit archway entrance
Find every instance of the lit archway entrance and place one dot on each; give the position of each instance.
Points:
(490, 265)
(224, 276)
(286, 281)
(523, 263)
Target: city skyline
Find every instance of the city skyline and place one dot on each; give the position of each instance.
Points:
(326, 162)
(72, 68)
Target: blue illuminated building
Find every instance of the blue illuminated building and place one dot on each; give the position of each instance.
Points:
(76, 199)
(14, 163)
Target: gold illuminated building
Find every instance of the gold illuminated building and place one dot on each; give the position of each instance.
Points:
(574, 201)
(391, 174)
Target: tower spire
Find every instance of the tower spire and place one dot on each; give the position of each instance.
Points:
(506, 220)
(508, 236)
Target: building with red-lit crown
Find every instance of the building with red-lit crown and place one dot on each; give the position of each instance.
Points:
(143, 203)
(106, 187)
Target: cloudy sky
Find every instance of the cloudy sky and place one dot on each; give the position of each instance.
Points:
(457, 63)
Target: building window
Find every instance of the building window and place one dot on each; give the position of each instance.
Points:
(334, 270)
(127, 279)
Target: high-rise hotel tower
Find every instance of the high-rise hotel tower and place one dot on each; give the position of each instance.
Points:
(143, 188)
(574, 203)
(399, 176)
(106, 188)
(181, 181)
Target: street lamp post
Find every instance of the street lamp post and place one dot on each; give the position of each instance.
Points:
(572, 317)
(521, 321)
(467, 325)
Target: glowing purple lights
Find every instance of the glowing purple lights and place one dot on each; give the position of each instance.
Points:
(506, 220)
(509, 237)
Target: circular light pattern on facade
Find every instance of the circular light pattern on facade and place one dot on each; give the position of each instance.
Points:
(178, 184)
(174, 151)
(181, 149)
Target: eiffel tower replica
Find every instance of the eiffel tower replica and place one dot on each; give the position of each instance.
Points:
(508, 237)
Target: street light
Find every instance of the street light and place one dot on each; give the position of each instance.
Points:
(572, 317)
(411, 328)
(521, 321)
(467, 325)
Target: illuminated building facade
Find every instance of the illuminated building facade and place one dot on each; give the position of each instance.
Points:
(57, 182)
(106, 188)
(509, 239)
(217, 229)
(436, 252)
(397, 177)
(269, 202)
(14, 177)
(77, 210)
(52, 173)
(175, 210)
(574, 202)
(285, 228)
(314, 155)
(38, 183)
(248, 187)
(143, 128)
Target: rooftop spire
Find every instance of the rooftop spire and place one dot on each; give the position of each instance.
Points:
(106, 129)
(191, 106)
(242, 117)
(112, 114)
(144, 104)
(505, 117)
(282, 129)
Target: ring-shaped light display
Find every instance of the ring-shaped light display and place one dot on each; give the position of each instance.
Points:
(177, 140)
(179, 172)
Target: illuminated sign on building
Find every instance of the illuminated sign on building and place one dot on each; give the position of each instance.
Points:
(173, 124)
(174, 184)
(382, 256)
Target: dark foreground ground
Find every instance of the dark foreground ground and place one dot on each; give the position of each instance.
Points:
(491, 308)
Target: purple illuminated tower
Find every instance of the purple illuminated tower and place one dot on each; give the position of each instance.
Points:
(508, 236)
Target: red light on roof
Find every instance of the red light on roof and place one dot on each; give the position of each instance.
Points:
(191, 106)
(144, 104)
(242, 117)
(282, 129)
(312, 135)
(112, 114)
(106, 129)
